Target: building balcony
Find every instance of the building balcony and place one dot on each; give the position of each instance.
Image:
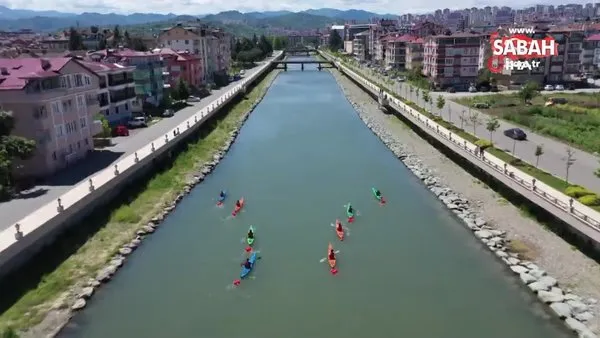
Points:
(122, 95)
(118, 82)
(103, 103)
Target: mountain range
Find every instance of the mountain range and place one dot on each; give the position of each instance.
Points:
(15, 19)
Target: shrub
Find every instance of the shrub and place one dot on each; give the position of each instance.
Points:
(577, 191)
(484, 144)
(589, 200)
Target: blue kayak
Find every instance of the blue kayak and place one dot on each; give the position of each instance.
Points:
(245, 272)
(222, 198)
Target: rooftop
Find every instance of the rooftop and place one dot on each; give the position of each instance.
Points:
(15, 72)
(98, 67)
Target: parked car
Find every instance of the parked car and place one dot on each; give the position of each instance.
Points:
(120, 131)
(242, 72)
(137, 122)
(548, 87)
(168, 113)
(481, 105)
(193, 99)
(559, 87)
(472, 89)
(451, 90)
(515, 134)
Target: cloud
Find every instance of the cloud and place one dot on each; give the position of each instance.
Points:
(194, 7)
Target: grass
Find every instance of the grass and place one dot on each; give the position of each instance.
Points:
(577, 122)
(32, 306)
(523, 249)
(547, 178)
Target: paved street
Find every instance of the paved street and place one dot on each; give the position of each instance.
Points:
(581, 172)
(14, 210)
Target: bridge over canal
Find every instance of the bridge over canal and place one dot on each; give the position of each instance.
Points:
(320, 64)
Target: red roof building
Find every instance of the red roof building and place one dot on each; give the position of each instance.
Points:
(183, 65)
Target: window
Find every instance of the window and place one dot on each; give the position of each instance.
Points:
(86, 142)
(169, 42)
(70, 148)
(83, 122)
(80, 101)
(56, 108)
(126, 106)
(88, 80)
(63, 82)
(187, 42)
(78, 145)
(449, 61)
(54, 155)
(78, 80)
(59, 131)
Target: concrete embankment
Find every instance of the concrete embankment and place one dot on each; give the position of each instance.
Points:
(60, 306)
(528, 250)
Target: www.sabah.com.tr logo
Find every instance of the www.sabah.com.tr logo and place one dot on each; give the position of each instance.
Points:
(516, 50)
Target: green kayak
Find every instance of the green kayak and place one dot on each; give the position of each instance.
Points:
(375, 193)
(348, 212)
(248, 239)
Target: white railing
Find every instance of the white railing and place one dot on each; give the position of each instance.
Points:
(581, 212)
(51, 210)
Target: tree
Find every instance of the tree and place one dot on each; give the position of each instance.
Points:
(569, 161)
(94, 29)
(265, 46)
(441, 102)
(102, 44)
(426, 97)
(492, 125)
(106, 130)
(182, 90)
(116, 36)
(127, 38)
(528, 92)
(277, 43)
(474, 121)
(335, 41)
(138, 44)
(417, 92)
(412, 90)
(539, 151)
(11, 148)
(174, 93)
(254, 40)
(75, 40)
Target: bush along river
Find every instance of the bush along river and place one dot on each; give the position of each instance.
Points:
(406, 268)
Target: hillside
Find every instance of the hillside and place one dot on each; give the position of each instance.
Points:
(348, 15)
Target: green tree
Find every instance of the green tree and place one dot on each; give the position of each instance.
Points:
(94, 29)
(9, 332)
(106, 129)
(127, 38)
(116, 36)
(183, 90)
(335, 41)
(102, 44)
(138, 44)
(75, 40)
(441, 102)
(528, 92)
(265, 46)
(427, 98)
(277, 43)
(492, 125)
(539, 151)
(254, 40)
(11, 148)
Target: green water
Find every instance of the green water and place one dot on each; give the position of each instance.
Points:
(406, 269)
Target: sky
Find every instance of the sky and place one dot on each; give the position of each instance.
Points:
(196, 7)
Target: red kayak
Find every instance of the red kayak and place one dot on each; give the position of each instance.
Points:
(340, 233)
(237, 209)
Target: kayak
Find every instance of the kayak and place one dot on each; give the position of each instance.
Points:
(350, 214)
(331, 261)
(221, 199)
(340, 234)
(237, 209)
(245, 272)
(375, 194)
(250, 240)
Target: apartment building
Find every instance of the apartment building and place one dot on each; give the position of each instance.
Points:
(223, 51)
(349, 34)
(116, 93)
(396, 50)
(452, 60)
(192, 39)
(590, 56)
(182, 65)
(54, 101)
(414, 53)
(360, 45)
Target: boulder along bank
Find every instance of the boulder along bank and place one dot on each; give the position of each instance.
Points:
(77, 298)
(529, 250)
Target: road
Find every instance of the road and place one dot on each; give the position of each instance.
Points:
(506, 92)
(553, 159)
(34, 198)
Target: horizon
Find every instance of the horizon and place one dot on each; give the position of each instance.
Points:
(185, 7)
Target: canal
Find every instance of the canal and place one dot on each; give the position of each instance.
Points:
(407, 269)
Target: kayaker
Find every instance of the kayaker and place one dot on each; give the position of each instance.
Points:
(222, 194)
(350, 210)
(331, 254)
(247, 264)
(377, 193)
(339, 227)
(250, 234)
(238, 204)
